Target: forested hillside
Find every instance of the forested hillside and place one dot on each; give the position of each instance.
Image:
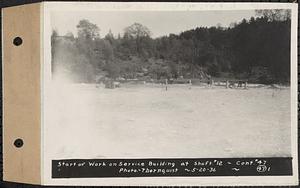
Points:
(257, 50)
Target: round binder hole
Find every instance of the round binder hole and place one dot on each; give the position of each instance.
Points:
(18, 143)
(17, 41)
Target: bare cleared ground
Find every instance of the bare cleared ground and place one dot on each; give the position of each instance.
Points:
(148, 121)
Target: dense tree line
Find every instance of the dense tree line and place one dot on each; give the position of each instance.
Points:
(257, 50)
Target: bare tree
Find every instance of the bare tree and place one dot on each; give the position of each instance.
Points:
(274, 14)
(137, 30)
(88, 30)
(138, 33)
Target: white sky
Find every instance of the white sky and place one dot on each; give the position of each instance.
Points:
(159, 22)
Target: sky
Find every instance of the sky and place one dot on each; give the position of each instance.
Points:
(160, 23)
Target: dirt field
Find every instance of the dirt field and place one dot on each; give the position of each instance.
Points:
(148, 121)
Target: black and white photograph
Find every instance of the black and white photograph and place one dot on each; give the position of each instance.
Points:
(171, 81)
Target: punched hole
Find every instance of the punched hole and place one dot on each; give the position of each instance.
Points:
(17, 41)
(18, 143)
